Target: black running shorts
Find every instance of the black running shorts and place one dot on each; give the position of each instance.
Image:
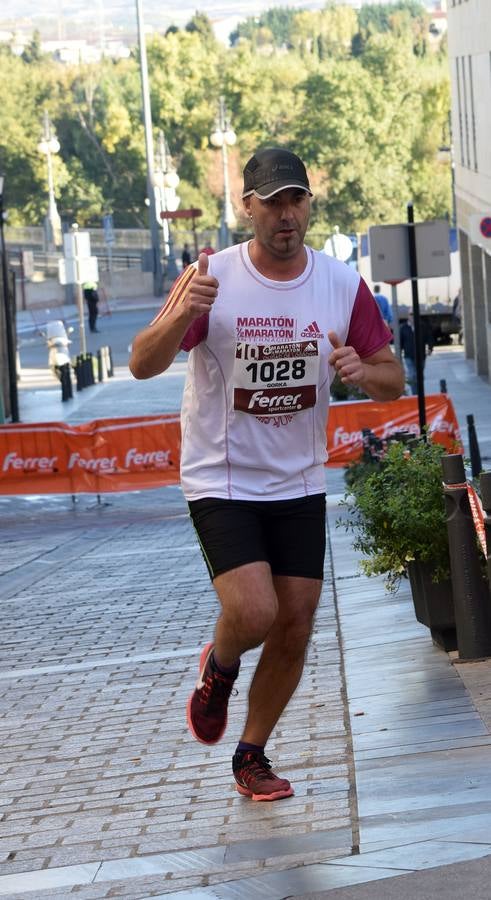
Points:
(288, 534)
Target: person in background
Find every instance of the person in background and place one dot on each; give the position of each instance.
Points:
(383, 305)
(457, 313)
(408, 350)
(267, 324)
(186, 256)
(92, 299)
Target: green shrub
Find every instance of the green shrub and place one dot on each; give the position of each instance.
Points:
(397, 512)
(341, 391)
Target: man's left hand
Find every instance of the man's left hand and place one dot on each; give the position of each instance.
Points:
(346, 361)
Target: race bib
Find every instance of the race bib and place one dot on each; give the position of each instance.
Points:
(275, 378)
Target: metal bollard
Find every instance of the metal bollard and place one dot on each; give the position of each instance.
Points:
(79, 373)
(109, 358)
(95, 368)
(88, 370)
(476, 466)
(485, 482)
(101, 365)
(66, 382)
(472, 608)
(443, 386)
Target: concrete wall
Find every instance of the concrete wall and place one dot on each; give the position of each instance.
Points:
(469, 42)
(124, 283)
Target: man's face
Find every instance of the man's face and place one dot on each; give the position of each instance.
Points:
(281, 221)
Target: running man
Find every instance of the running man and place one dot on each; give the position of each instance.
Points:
(267, 324)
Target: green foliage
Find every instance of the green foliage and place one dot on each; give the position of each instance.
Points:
(32, 52)
(278, 21)
(359, 472)
(201, 24)
(398, 17)
(363, 144)
(397, 512)
(368, 132)
(341, 391)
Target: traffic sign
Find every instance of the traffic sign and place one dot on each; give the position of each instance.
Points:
(389, 251)
(480, 228)
(339, 246)
(77, 266)
(78, 271)
(485, 227)
(76, 244)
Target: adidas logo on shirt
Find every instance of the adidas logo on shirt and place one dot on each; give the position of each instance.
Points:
(312, 331)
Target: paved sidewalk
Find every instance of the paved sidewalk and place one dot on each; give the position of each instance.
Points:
(104, 793)
(104, 613)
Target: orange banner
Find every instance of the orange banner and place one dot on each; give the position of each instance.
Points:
(347, 420)
(144, 452)
(105, 455)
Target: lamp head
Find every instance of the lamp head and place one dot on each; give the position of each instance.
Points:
(216, 138)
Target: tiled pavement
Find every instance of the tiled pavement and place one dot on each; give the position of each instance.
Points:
(103, 615)
(103, 792)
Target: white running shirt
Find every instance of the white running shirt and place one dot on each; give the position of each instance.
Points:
(256, 397)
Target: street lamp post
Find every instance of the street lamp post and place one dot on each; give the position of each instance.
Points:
(11, 354)
(52, 223)
(166, 181)
(147, 124)
(223, 136)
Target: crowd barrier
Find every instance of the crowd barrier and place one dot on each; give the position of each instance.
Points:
(134, 453)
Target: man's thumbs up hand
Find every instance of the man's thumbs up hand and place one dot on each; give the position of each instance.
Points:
(336, 343)
(203, 262)
(346, 361)
(202, 291)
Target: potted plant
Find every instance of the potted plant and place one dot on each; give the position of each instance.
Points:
(396, 510)
(340, 391)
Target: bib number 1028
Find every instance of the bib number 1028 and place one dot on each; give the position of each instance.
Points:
(281, 370)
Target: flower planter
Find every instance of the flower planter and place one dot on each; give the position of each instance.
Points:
(433, 604)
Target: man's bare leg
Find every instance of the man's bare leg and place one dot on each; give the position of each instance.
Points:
(282, 660)
(279, 611)
(249, 609)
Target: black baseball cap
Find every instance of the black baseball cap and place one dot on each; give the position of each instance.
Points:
(274, 169)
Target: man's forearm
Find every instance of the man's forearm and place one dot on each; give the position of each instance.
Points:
(383, 381)
(155, 348)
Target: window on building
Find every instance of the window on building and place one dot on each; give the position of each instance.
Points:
(467, 152)
(460, 106)
(473, 115)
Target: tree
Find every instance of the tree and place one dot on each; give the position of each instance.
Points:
(369, 133)
(406, 18)
(32, 52)
(200, 24)
(280, 22)
(362, 147)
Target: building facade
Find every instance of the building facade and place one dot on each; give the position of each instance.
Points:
(469, 42)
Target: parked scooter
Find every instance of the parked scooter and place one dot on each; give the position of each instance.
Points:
(58, 343)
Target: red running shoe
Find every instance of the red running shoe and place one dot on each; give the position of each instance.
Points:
(252, 772)
(207, 706)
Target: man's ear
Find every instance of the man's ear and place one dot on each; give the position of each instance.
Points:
(247, 205)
